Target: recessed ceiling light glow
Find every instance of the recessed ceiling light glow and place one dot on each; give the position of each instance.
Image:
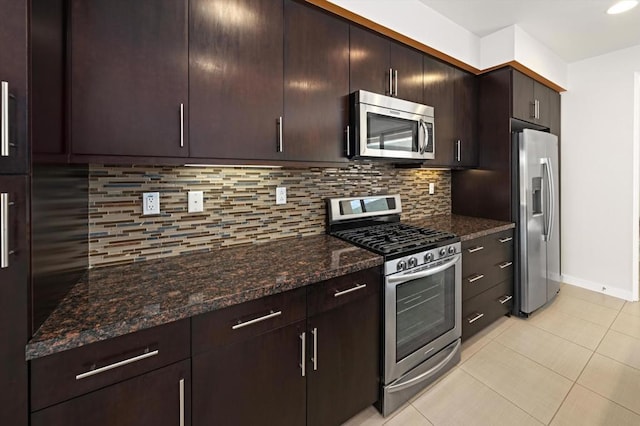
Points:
(622, 6)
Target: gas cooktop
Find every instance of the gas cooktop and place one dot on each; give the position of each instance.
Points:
(373, 223)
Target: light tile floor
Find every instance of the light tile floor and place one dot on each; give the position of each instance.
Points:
(574, 362)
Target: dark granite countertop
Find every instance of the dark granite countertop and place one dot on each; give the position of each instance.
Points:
(466, 227)
(113, 301)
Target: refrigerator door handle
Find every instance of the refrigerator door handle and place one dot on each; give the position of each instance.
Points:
(550, 211)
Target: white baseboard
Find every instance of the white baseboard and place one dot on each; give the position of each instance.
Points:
(597, 287)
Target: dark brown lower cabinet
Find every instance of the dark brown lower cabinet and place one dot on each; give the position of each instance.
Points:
(257, 381)
(344, 377)
(161, 397)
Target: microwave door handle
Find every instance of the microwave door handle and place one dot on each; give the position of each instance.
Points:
(422, 142)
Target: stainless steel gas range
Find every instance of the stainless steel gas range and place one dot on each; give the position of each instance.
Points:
(422, 292)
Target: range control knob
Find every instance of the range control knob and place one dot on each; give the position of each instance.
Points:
(413, 262)
(428, 257)
(402, 265)
(442, 252)
(452, 250)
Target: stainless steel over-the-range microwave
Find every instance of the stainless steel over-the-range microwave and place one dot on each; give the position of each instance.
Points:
(390, 128)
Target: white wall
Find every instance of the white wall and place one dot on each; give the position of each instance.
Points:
(599, 185)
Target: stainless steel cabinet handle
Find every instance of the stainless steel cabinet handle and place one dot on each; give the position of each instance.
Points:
(4, 119)
(390, 82)
(532, 110)
(347, 131)
(315, 348)
(253, 321)
(476, 278)
(303, 362)
(181, 402)
(458, 150)
(117, 364)
(4, 230)
(475, 249)
(396, 82)
(505, 265)
(505, 299)
(181, 125)
(280, 141)
(356, 288)
(505, 240)
(475, 318)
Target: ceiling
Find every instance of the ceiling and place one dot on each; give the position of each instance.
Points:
(573, 29)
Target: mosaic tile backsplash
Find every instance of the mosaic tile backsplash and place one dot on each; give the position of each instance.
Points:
(239, 205)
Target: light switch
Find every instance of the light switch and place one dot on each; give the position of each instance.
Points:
(195, 201)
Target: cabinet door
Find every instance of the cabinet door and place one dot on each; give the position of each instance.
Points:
(14, 156)
(344, 377)
(129, 74)
(13, 300)
(522, 102)
(439, 93)
(162, 397)
(554, 112)
(408, 64)
(256, 381)
(541, 93)
(369, 62)
(235, 78)
(316, 84)
(465, 113)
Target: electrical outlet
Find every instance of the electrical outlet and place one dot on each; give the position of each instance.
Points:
(432, 188)
(281, 195)
(150, 203)
(196, 202)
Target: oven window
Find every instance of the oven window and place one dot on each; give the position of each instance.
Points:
(391, 133)
(425, 310)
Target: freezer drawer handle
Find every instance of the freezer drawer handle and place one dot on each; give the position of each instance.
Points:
(505, 240)
(505, 265)
(504, 299)
(118, 364)
(475, 318)
(356, 288)
(476, 278)
(475, 249)
(253, 321)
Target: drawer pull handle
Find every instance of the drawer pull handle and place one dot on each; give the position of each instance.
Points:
(474, 319)
(356, 288)
(505, 265)
(253, 321)
(116, 365)
(505, 240)
(476, 278)
(181, 402)
(475, 249)
(505, 299)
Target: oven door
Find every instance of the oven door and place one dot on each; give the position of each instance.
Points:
(422, 315)
(389, 133)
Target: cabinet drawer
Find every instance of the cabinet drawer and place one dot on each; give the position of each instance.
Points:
(241, 322)
(479, 252)
(64, 375)
(483, 309)
(329, 294)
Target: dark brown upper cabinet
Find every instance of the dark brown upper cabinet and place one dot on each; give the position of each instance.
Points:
(14, 147)
(129, 76)
(316, 85)
(235, 79)
(452, 93)
(380, 65)
(531, 100)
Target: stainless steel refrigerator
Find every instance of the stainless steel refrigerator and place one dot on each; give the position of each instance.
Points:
(536, 212)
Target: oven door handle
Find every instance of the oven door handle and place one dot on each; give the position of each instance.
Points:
(429, 372)
(423, 274)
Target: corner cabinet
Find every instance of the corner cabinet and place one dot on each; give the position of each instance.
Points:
(129, 76)
(294, 358)
(380, 65)
(235, 78)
